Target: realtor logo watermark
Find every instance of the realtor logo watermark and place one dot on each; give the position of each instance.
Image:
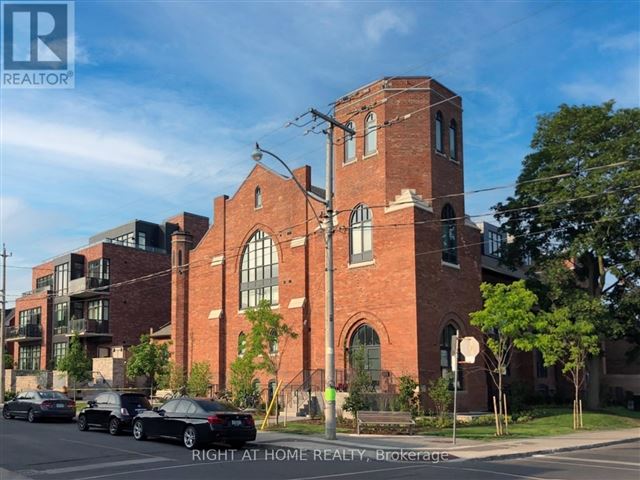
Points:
(38, 48)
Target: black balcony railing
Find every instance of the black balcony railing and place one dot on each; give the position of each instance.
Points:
(60, 329)
(24, 331)
(85, 325)
(88, 286)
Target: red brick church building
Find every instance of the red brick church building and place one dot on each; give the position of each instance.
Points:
(407, 260)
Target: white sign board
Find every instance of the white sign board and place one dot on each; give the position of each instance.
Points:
(470, 348)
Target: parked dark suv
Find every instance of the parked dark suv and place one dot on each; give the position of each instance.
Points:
(112, 411)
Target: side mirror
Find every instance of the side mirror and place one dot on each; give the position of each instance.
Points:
(161, 412)
(91, 403)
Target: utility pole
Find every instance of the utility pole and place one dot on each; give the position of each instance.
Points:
(454, 365)
(2, 328)
(330, 360)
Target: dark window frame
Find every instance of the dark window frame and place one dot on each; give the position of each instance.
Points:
(259, 271)
(257, 198)
(439, 131)
(453, 140)
(447, 334)
(61, 279)
(449, 235)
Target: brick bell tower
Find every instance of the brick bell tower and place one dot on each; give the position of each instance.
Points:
(405, 170)
(418, 144)
(181, 243)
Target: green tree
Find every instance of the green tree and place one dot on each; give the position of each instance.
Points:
(76, 363)
(407, 395)
(588, 217)
(199, 379)
(149, 359)
(241, 381)
(567, 336)
(508, 322)
(360, 383)
(8, 360)
(173, 378)
(441, 395)
(267, 340)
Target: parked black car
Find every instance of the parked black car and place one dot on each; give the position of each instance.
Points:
(36, 404)
(196, 421)
(113, 411)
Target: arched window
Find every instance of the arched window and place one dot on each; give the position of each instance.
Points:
(371, 134)
(242, 344)
(449, 235)
(360, 235)
(258, 198)
(439, 133)
(349, 145)
(259, 271)
(367, 339)
(446, 349)
(453, 139)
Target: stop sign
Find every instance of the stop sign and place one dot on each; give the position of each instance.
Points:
(470, 348)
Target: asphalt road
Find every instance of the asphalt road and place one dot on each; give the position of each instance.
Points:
(54, 451)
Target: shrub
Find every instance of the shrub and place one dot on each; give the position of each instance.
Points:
(407, 400)
(199, 380)
(173, 378)
(441, 396)
(484, 420)
(359, 385)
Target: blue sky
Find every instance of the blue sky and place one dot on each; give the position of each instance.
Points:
(170, 96)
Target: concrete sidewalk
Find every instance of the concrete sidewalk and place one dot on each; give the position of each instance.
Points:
(463, 450)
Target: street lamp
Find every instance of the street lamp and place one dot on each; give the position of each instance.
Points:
(327, 225)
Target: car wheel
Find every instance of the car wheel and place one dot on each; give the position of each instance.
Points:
(83, 426)
(31, 416)
(5, 414)
(114, 426)
(138, 430)
(237, 445)
(190, 437)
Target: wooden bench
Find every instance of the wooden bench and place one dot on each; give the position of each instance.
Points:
(366, 417)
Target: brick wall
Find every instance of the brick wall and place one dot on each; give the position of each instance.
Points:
(405, 293)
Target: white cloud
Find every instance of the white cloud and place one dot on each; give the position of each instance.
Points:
(379, 24)
(625, 41)
(622, 86)
(82, 147)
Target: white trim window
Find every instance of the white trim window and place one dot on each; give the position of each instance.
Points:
(371, 134)
(349, 144)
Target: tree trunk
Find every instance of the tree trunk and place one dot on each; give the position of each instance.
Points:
(576, 384)
(593, 383)
(500, 392)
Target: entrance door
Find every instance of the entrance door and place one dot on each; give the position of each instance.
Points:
(367, 339)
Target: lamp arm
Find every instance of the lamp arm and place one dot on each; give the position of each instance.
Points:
(302, 189)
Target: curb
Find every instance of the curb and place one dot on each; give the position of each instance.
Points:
(488, 458)
(508, 456)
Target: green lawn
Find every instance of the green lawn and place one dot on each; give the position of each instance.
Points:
(558, 421)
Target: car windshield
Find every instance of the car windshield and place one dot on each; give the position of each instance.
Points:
(51, 395)
(213, 406)
(135, 402)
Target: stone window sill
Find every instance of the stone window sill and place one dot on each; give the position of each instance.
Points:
(369, 155)
(455, 266)
(243, 310)
(361, 264)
